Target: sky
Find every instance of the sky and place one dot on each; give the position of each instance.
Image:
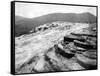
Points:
(32, 10)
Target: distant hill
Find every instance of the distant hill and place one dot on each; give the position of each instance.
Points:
(24, 25)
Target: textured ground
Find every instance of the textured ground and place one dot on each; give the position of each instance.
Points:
(39, 52)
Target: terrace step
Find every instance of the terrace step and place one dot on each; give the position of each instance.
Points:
(86, 62)
(89, 54)
(84, 34)
(71, 38)
(84, 45)
(64, 52)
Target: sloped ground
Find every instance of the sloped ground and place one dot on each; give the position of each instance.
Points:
(56, 49)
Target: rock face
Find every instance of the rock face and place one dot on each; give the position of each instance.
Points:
(54, 49)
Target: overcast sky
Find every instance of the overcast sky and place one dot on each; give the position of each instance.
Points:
(31, 10)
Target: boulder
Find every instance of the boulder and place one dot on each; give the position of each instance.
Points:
(45, 28)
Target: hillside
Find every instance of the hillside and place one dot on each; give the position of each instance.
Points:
(24, 25)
